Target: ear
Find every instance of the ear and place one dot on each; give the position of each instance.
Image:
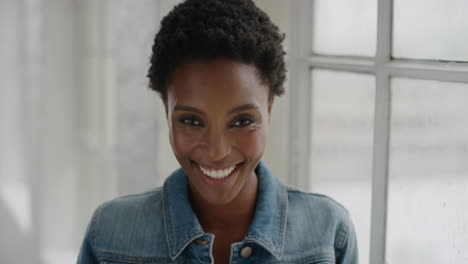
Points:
(165, 106)
(270, 104)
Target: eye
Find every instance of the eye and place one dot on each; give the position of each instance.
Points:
(243, 122)
(190, 121)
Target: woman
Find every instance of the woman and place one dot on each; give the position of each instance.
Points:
(217, 66)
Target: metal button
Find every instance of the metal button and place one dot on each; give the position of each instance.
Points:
(201, 242)
(246, 252)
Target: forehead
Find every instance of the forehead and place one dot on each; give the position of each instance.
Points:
(220, 81)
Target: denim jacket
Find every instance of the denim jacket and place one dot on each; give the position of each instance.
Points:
(159, 226)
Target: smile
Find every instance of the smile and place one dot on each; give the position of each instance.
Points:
(217, 174)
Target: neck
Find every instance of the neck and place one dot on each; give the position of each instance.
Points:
(235, 215)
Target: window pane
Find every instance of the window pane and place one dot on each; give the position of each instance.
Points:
(341, 144)
(430, 29)
(428, 173)
(343, 27)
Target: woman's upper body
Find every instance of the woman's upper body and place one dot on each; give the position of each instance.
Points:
(218, 64)
(160, 226)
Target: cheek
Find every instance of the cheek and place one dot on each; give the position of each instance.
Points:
(182, 142)
(252, 143)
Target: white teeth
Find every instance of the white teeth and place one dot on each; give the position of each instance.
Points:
(217, 174)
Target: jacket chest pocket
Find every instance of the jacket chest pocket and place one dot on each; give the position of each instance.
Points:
(117, 261)
(123, 262)
(326, 261)
(321, 259)
(312, 260)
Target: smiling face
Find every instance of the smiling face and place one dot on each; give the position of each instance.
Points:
(218, 114)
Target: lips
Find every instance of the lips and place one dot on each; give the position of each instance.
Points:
(219, 174)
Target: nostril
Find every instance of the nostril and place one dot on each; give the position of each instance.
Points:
(218, 151)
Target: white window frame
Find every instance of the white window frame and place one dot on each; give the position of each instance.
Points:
(301, 60)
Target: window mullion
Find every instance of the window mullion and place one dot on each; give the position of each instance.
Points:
(420, 69)
(381, 134)
(351, 64)
(299, 93)
(428, 70)
(380, 168)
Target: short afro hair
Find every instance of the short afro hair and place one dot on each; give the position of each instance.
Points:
(204, 30)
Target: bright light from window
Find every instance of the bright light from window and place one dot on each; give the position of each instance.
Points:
(428, 173)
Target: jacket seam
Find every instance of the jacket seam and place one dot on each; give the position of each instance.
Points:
(283, 219)
(311, 258)
(342, 238)
(293, 190)
(133, 259)
(138, 261)
(168, 223)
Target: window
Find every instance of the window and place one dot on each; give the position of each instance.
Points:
(380, 99)
(342, 106)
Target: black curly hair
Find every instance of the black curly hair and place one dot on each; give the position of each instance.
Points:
(207, 29)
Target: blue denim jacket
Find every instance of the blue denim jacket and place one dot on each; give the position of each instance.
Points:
(159, 226)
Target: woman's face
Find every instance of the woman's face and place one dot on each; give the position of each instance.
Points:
(218, 114)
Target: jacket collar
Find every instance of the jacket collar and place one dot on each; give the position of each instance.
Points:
(268, 226)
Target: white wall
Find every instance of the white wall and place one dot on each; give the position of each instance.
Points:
(78, 124)
(276, 153)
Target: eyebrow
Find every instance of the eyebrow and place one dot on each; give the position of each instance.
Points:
(196, 110)
(242, 108)
(187, 108)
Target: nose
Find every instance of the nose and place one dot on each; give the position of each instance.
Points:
(218, 145)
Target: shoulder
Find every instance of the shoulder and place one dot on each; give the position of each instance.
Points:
(131, 203)
(316, 224)
(129, 218)
(315, 204)
(120, 212)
